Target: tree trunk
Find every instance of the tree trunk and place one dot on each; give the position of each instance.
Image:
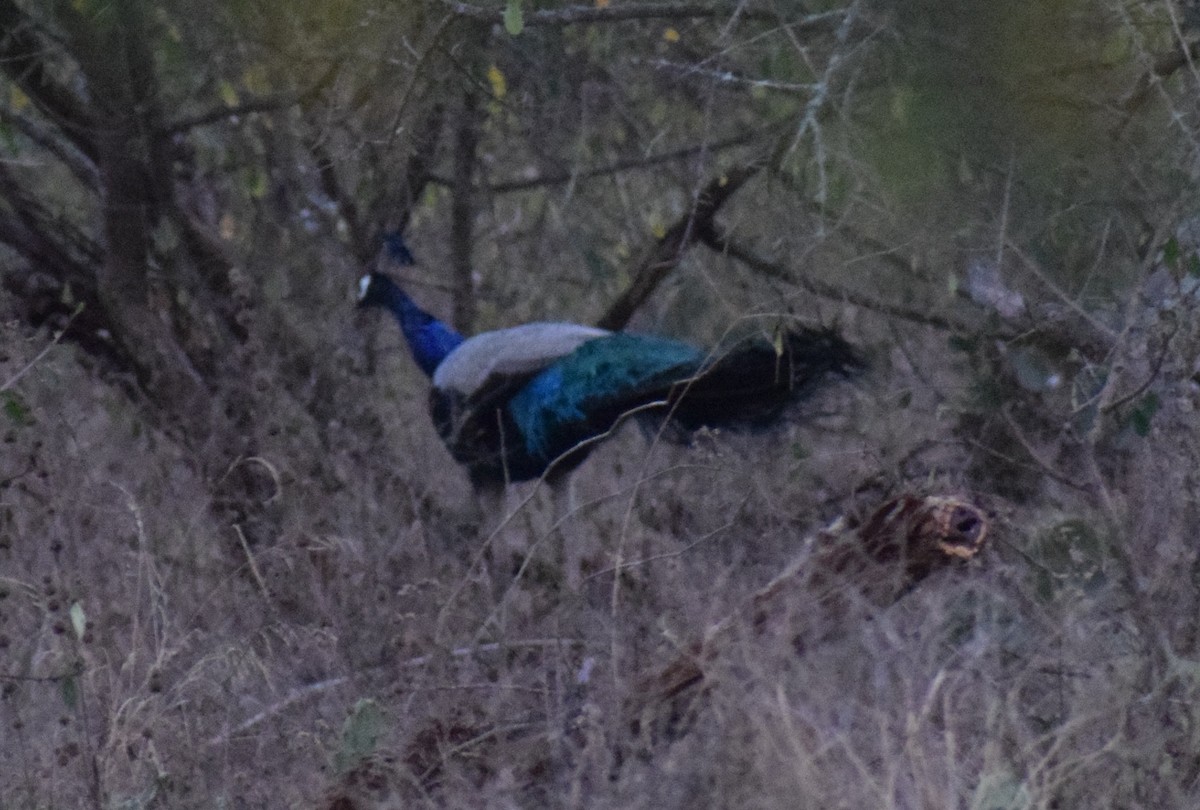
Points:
(462, 211)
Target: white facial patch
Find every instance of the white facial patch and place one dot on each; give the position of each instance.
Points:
(364, 284)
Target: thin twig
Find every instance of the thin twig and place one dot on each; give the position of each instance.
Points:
(293, 697)
(258, 577)
(67, 152)
(1061, 294)
(727, 246)
(679, 552)
(665, 254)
(227, 112)
(721, 76)
(617, 166)
(272, 103)
(1019, 434)
(308, 690)
(11, 381)
(1162, 67)
(575, 15)
(463, 209)
(1150, 378)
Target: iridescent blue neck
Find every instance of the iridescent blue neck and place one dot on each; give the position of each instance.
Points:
(429, 339)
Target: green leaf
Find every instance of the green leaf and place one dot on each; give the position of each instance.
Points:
(1193, 264)
(1043, 584)
(962, 343)
(514, 18)
(69, 688)
(360, 735)
(1001, 790)
(8, 137)
(1171, 252)
(228, 93)
(1140, 418)
(498, 82)
(165, 236)
(16, 410)
(78, 619)
(256, 183)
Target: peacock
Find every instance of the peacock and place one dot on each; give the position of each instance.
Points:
(518, 403)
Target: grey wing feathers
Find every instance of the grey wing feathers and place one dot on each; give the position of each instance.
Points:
(517, 351)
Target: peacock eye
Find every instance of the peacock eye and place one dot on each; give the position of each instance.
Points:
(364, 284)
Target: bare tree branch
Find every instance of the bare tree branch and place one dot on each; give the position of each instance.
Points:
(665, 254)
(462, 210)
(575, 15)
(43, 238)
(725, 245)
(618, 166)
(61, 148)
(331, 186)
(223, 113)
(22, 58)
(417, 173)
(279, 101)
(1163, 66)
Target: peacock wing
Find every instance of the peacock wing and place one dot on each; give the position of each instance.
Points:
(586, 393)
(473, 385)
(473, 427)
(518, 351)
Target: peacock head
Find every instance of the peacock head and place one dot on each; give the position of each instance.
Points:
(429, 339)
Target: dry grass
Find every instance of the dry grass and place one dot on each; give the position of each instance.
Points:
(362, 656)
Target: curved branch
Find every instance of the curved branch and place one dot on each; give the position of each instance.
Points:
(78, 163)
(42, 237)
(617, 166)
(272, 103)
(22, 50)
(221, 113)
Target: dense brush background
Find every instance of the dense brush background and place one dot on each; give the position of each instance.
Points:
(238, 569)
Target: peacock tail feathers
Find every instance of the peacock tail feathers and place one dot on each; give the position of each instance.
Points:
(751, 383)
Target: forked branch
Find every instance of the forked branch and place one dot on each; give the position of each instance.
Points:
(666, 253)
